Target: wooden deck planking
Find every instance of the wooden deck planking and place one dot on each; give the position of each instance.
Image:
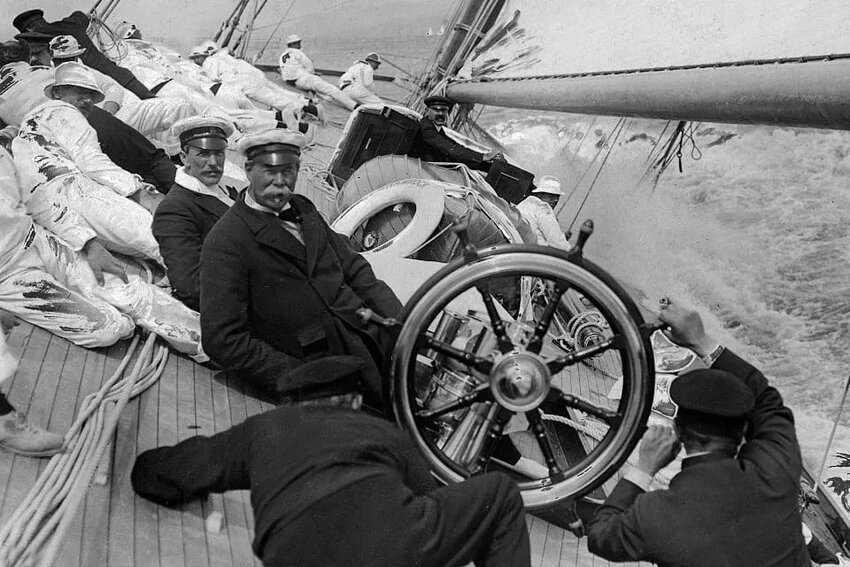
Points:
(122, 517)
(145, 538)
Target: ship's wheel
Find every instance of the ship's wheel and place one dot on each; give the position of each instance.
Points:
(476, 369)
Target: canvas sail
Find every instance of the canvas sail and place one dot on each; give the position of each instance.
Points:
(779, 62)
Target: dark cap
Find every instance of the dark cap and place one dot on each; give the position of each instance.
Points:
(34, 37)
(23, 19)
(437, 100)
(322, 378)
(712, 401)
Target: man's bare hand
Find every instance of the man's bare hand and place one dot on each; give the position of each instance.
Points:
(100, 261)
(685, 328)
(111, 107)
(657, 449)
(7, 322)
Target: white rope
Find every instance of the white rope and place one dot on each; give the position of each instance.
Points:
(590, 427)
(36, 529)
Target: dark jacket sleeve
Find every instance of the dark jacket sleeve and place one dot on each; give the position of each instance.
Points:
(444, 145)
(225, 324)
(771, 439)
(180, 243)
(614, 532)
(194, 468)
(360, 277)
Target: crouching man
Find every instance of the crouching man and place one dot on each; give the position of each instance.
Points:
(334, 486)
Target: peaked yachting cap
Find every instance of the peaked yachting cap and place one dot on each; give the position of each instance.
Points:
(34, 37)
(74, 74)
(712, 401)
(439, 100)
(373, 57)
(270, 146)
(65, 47)
(323, 378)
(205, 132)
(25, 18)
(549, 184)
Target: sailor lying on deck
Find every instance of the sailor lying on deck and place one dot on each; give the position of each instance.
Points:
(732, 503)
(433, 144)
(297, 70)
(16, 434)
(77, 25)
(195, 203)
(23, 90)
(278, 286)
(62, 165)
(333, 486)
(64, 281)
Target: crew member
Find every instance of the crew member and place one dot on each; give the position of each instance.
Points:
(433, 144)
(16, 434)
(732, 503)
(539, 210)
(278, 286)
(60, 161)
(77, 25)
(195, 203)
(358, 81)
(334, 486)
(297, 70)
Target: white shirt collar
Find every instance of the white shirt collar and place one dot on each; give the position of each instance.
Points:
(194, 184)
(253, 204)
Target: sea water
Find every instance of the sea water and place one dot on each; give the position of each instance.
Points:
(753, 234)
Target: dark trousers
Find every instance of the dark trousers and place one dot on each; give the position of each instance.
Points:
(97, 60)
(379, 522)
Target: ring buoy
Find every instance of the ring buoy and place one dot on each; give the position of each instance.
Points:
(426, 195)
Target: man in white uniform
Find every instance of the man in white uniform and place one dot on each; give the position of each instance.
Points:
(61, 164)
(67, 283)
(538, 210)
(359, 81)
(152, 117)
(297, 69)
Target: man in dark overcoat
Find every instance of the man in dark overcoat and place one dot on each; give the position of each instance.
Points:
(77, 25)
(333, 486)
(194, 204)
(732, 504)
(433, 144)
(278, 286)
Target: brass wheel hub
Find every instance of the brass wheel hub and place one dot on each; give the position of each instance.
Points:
(520, 381)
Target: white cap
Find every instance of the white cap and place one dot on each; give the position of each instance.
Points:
(74, 74)
(293, 38)
(124, 29)
(373, 57)
(65, 47)
(549, 184)
(271, 142)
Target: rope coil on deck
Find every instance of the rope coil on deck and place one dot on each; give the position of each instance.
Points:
(36, 529)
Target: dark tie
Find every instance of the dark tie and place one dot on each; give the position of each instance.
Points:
(290, 215)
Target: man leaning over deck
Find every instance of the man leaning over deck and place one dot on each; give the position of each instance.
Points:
(332, 486)
(194, 204)
(278, 286)
(732, 504)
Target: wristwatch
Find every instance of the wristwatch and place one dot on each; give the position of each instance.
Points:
(712, 356)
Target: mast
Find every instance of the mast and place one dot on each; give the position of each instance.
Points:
(808, 92)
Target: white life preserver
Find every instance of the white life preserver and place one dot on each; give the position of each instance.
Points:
(426, 195)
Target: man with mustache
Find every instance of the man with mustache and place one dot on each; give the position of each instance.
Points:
(194, 204)
(432, 143)
(279, 287)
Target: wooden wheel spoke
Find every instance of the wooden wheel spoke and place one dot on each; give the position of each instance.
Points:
(499, 328)
(562, 362)
(535, 343)
(480, 364)
(609, 417)
(494, 433)
(480, 394)
(543, 441)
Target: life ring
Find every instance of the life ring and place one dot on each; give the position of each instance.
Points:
(426, 195)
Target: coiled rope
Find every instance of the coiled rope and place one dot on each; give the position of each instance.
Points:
(36, 529)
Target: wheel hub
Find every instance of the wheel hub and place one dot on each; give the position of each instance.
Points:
(519, 381)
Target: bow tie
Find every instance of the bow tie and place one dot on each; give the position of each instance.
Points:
(289, 215)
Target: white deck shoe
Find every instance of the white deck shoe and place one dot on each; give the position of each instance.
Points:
(19, 436)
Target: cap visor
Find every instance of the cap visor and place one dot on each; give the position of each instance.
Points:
(275, 158)
(208, 143)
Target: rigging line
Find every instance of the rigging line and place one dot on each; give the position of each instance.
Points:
(337, 5)
(394, 66)
(621, 125)
(274, 31)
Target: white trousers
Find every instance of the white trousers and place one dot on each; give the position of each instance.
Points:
(122, 225)
(154, 117)
(310, 82)
(53, 287)
(271, 95)
(361, 94)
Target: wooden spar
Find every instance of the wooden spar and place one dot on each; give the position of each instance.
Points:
(226, 23)
(811, 94)
(234, 23)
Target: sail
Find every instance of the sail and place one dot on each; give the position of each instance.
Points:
(780, 62)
